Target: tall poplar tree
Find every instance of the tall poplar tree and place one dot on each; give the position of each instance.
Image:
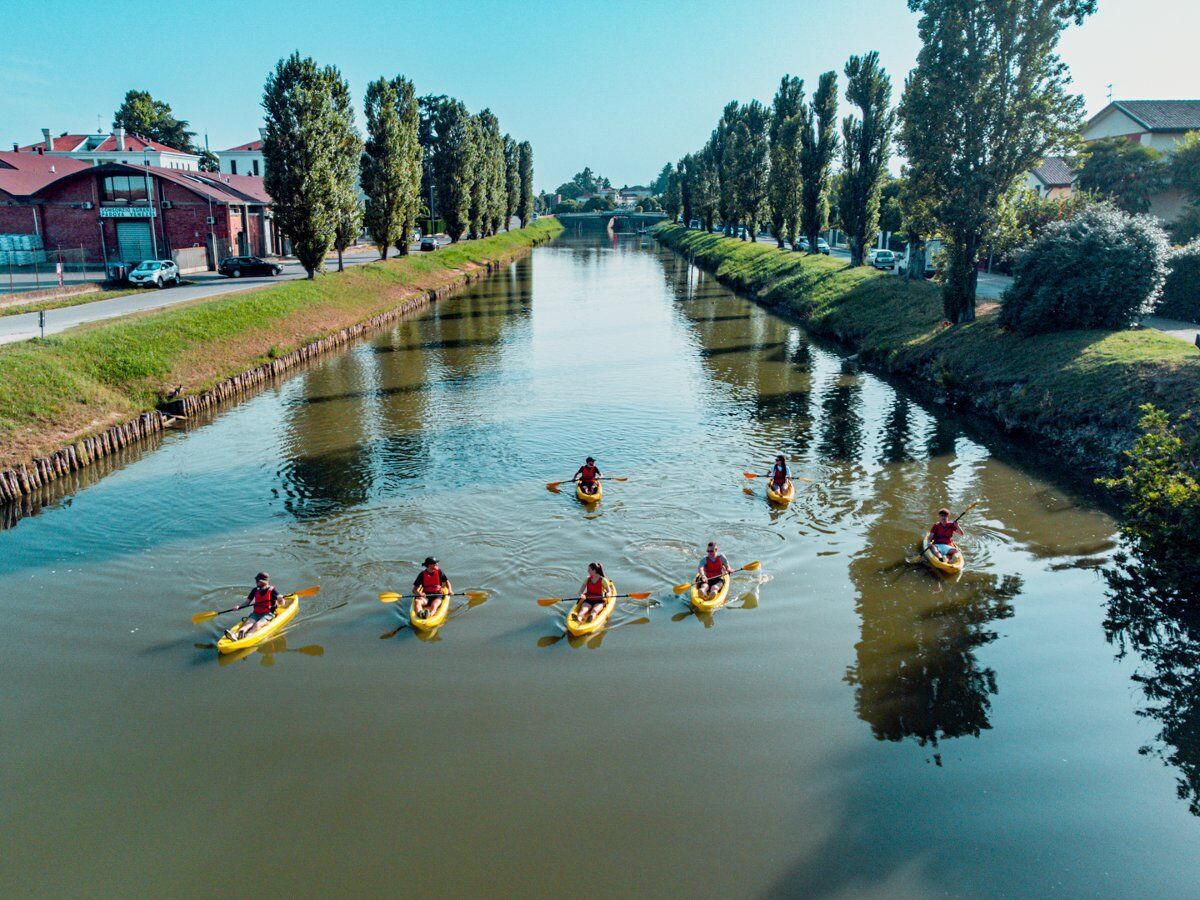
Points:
(706, 189)
(685, 173)
(818, 146)
(491, 165)
(383, 166)
(453, 163)
(751, 161)
(347, 161)
(512, 180)
(724, 155)
(525, 204)
(784, 179)
(986, 103)
(866, 148)
(477, 177)
(304, 137)
(412, 156)
(672, 195)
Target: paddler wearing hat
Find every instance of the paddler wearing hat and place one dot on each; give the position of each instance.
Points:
(431, 582)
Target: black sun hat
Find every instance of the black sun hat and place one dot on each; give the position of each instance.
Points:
(429, 561)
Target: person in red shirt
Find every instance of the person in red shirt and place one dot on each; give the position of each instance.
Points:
(428, 588)
(710, 577)
(265, 599)
(588, 476)
(595, 592)
(941, 536)
(781, 476)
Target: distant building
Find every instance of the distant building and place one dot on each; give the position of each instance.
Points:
(244, 159)
(1160, 124)
(631, 196)
(115, 147)
(1054, 178)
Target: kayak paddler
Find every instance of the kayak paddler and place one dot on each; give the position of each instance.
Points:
(428, 588)
(941, 536)
(711, 575)
(596, 589)
(587, 476)
(781, 476)
(265, 599)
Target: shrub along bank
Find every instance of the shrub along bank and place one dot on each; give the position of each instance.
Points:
(1076, 394)
(56, 390)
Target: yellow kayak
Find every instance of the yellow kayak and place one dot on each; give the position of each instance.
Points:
(776, 497)
(577, 628)
(428, 623)
(708, 604)
(284, 613)
(584, 497)
(941, 566)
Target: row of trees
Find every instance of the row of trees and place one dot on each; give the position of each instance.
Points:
(775, 165)
(986, 102)
(430, 149)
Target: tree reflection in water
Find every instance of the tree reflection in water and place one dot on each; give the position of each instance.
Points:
(1161, 626)
(916, 671)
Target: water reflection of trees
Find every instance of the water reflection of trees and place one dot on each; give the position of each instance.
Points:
(1163, 629)
(841, 428)
(916, 671)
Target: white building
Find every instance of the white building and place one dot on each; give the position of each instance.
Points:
(244, 159)
(117, 147)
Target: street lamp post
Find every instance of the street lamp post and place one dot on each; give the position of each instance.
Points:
(149, 198)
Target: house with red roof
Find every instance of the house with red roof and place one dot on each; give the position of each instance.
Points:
(1054, 178)
(244, 159)
(113, 147)
(116, 212)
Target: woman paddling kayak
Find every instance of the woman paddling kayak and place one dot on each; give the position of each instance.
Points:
(594, 595)
(711, 575)
(587, 477)
(266, 601)
(431, 583)
(781, 477)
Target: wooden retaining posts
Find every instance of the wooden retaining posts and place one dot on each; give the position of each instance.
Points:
(23, 480)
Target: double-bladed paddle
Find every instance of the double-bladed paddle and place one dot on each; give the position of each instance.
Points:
(213, 613)
(553, 485)
(392, 597)
(550, 601)
(748, 567)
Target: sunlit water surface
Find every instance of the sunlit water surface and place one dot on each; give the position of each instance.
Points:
(849, 725)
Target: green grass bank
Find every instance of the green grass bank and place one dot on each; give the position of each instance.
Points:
(1076, 393)
(57, 390)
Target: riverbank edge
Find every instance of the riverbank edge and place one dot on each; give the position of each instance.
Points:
(23, 478)
(1077, 393)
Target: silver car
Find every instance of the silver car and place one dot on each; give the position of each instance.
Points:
(155, 273)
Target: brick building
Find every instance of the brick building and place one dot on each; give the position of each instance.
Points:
(117, 212)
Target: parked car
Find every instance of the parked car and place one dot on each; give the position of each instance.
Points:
(882, 259)
(429, 242)
(156, 272)
(237, 266)
(800, 245)
(822, 246)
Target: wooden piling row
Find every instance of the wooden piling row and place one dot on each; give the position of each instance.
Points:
(22, 480)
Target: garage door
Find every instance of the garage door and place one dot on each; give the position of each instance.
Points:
(133, 242)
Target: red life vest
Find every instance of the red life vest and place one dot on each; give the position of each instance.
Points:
(714, 567)
(779, 474)
(587, 474)
(431, 582)
(596, 590)
(943, 534)
(262, 599)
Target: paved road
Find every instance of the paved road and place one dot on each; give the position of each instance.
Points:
(205, 284)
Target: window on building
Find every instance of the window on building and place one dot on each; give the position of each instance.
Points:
(256, 172)
(233, 167)
(127, 188)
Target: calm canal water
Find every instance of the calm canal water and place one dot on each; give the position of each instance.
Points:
(849, 726)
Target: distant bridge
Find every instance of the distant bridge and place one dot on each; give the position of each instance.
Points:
(617, 221)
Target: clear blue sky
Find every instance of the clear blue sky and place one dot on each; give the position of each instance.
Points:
(620, 86)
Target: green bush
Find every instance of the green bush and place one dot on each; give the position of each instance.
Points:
(1160, 487)
(1181, 293)
(1101, 269)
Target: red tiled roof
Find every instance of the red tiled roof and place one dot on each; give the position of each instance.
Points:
(253, 145)
(252, 187)
(65, 143)
(22, 174)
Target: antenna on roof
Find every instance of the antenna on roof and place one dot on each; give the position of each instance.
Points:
(99, 127)
(1110, 92)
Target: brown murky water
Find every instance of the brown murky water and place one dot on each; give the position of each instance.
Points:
(850, 725)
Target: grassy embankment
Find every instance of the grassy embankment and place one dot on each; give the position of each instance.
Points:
(1077, 392)
(62, 388)
(63, 302)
